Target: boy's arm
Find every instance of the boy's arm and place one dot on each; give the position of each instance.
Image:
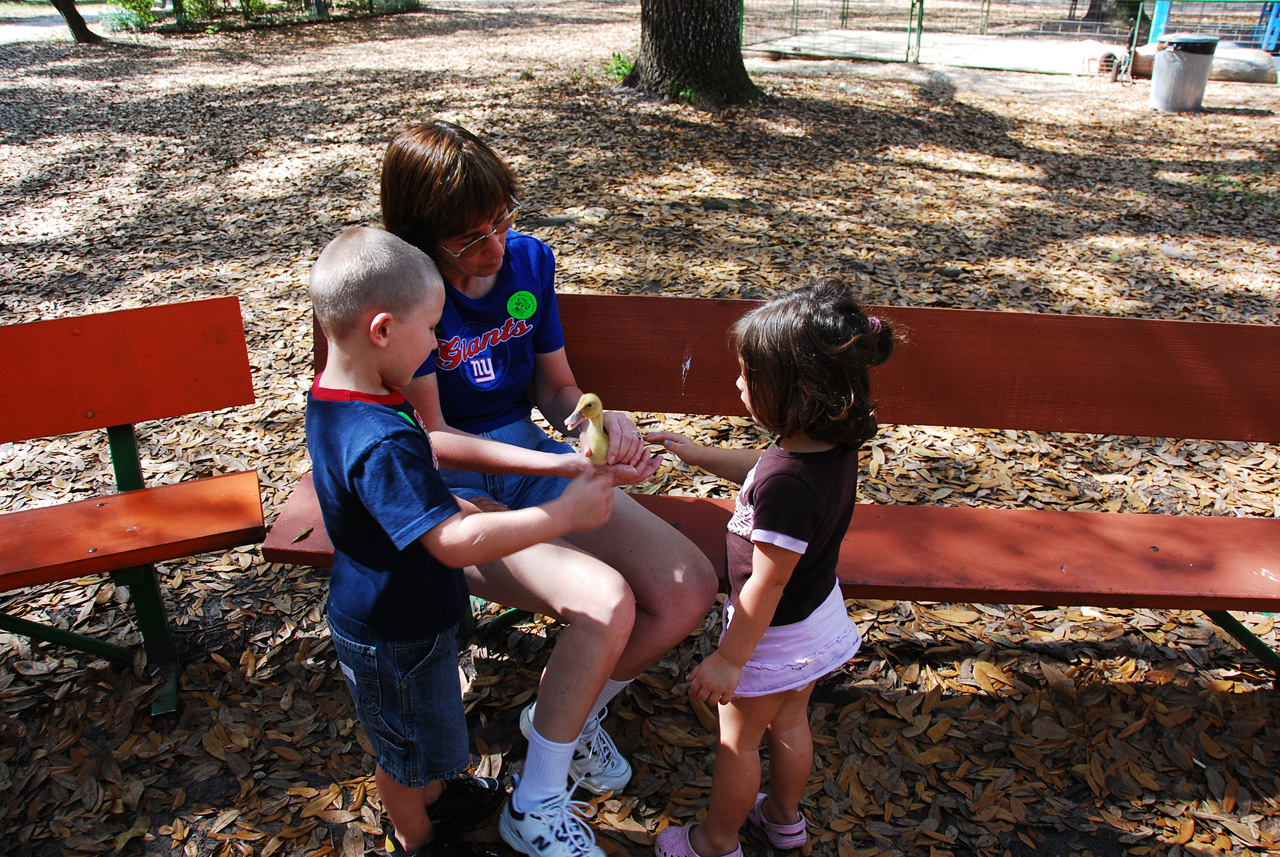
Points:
(726, 462)
(468, 539)
(461, 450)
(716, 678)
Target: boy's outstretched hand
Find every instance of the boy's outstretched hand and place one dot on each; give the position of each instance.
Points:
(588, 501)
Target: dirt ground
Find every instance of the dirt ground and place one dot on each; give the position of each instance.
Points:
(168, 168)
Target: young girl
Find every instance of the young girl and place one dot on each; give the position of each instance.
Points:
(804, 358)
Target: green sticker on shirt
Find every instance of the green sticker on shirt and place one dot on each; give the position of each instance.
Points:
(522, 305)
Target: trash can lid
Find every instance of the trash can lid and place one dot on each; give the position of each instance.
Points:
(1191, 43)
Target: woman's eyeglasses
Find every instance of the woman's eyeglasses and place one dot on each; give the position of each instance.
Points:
(474, 246)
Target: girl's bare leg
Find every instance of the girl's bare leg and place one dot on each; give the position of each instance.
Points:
(790, 756)
(736, 780)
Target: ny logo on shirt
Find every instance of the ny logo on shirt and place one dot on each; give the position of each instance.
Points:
(482, 370)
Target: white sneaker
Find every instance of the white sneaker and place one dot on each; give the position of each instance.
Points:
(597, 765)
(557, 827)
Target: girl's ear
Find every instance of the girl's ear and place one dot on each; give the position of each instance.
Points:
(380, 329)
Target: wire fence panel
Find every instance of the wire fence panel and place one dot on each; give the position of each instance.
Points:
(1061, 36)
(1242, 23)
(865, 29)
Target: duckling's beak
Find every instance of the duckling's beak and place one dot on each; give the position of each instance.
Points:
(574, 419)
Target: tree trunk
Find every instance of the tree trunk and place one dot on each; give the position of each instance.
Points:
(75, 22)
(691, 50)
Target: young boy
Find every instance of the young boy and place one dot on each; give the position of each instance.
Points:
(400, 538)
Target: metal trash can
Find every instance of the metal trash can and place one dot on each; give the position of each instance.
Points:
(1180, 71)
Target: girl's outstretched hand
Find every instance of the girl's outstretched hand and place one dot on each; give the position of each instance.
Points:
(684, 448)
(714, 680)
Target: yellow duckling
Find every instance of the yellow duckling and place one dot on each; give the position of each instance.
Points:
(592, 438)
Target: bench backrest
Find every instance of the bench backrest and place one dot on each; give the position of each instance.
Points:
(965, 368)
(122, 367)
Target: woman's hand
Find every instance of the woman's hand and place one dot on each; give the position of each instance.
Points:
(714, 680)
(626, 446)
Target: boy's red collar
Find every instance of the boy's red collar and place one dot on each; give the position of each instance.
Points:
(328, 394)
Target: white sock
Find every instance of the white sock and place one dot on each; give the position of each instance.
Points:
(611, 689)
(546, 772)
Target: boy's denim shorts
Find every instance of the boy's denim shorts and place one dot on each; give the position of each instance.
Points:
(515, 491)
(409, 701)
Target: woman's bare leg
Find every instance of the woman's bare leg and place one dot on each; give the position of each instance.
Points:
(673, 582)
(597, 609)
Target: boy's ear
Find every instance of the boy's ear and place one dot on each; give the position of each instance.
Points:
(380, 329)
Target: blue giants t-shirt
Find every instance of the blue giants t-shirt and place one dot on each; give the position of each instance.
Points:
(379, 490)
(484, 361)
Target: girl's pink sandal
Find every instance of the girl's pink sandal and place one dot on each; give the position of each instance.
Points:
(674, 842)
(791, 835)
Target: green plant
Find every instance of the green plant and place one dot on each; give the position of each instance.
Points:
(619, 66)
(203, 8)
(133, 15)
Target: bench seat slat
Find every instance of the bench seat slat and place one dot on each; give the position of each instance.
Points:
(298, 535)
(1030, 556)
(133, 528)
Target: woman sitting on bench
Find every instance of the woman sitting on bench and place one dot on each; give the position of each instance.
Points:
(626, 593)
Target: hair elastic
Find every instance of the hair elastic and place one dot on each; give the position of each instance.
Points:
(874, 323)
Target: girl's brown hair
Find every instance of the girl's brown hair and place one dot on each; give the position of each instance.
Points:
(438, 181)
(805, 357)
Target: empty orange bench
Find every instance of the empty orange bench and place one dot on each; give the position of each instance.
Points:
(973, 369)
(111, 370)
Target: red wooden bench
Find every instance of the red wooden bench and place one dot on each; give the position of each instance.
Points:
(974, 369)
(111, 370)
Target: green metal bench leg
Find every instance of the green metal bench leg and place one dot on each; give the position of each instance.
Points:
(489, 627)
(1269, 657)
(70, 639)
(153, 622)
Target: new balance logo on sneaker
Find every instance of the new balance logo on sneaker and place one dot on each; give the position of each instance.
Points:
(557, 827)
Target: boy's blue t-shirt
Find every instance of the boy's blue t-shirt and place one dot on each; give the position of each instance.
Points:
(379, 489)
(485, 360)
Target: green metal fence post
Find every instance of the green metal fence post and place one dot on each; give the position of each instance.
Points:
(915, 27)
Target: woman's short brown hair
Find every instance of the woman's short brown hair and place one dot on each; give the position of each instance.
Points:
(438, 181)
(805, 357)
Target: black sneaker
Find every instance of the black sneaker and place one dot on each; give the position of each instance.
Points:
(438, 846)
(466, 803)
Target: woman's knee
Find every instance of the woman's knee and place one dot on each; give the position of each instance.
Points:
(607, 605)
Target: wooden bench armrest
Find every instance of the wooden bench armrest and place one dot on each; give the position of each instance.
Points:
(116, 531)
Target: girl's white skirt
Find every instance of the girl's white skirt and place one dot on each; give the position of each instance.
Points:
(791, 656)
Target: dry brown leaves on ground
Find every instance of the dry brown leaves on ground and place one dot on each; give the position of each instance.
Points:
(164, 169)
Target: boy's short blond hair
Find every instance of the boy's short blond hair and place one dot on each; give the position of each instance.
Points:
(365, 269)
